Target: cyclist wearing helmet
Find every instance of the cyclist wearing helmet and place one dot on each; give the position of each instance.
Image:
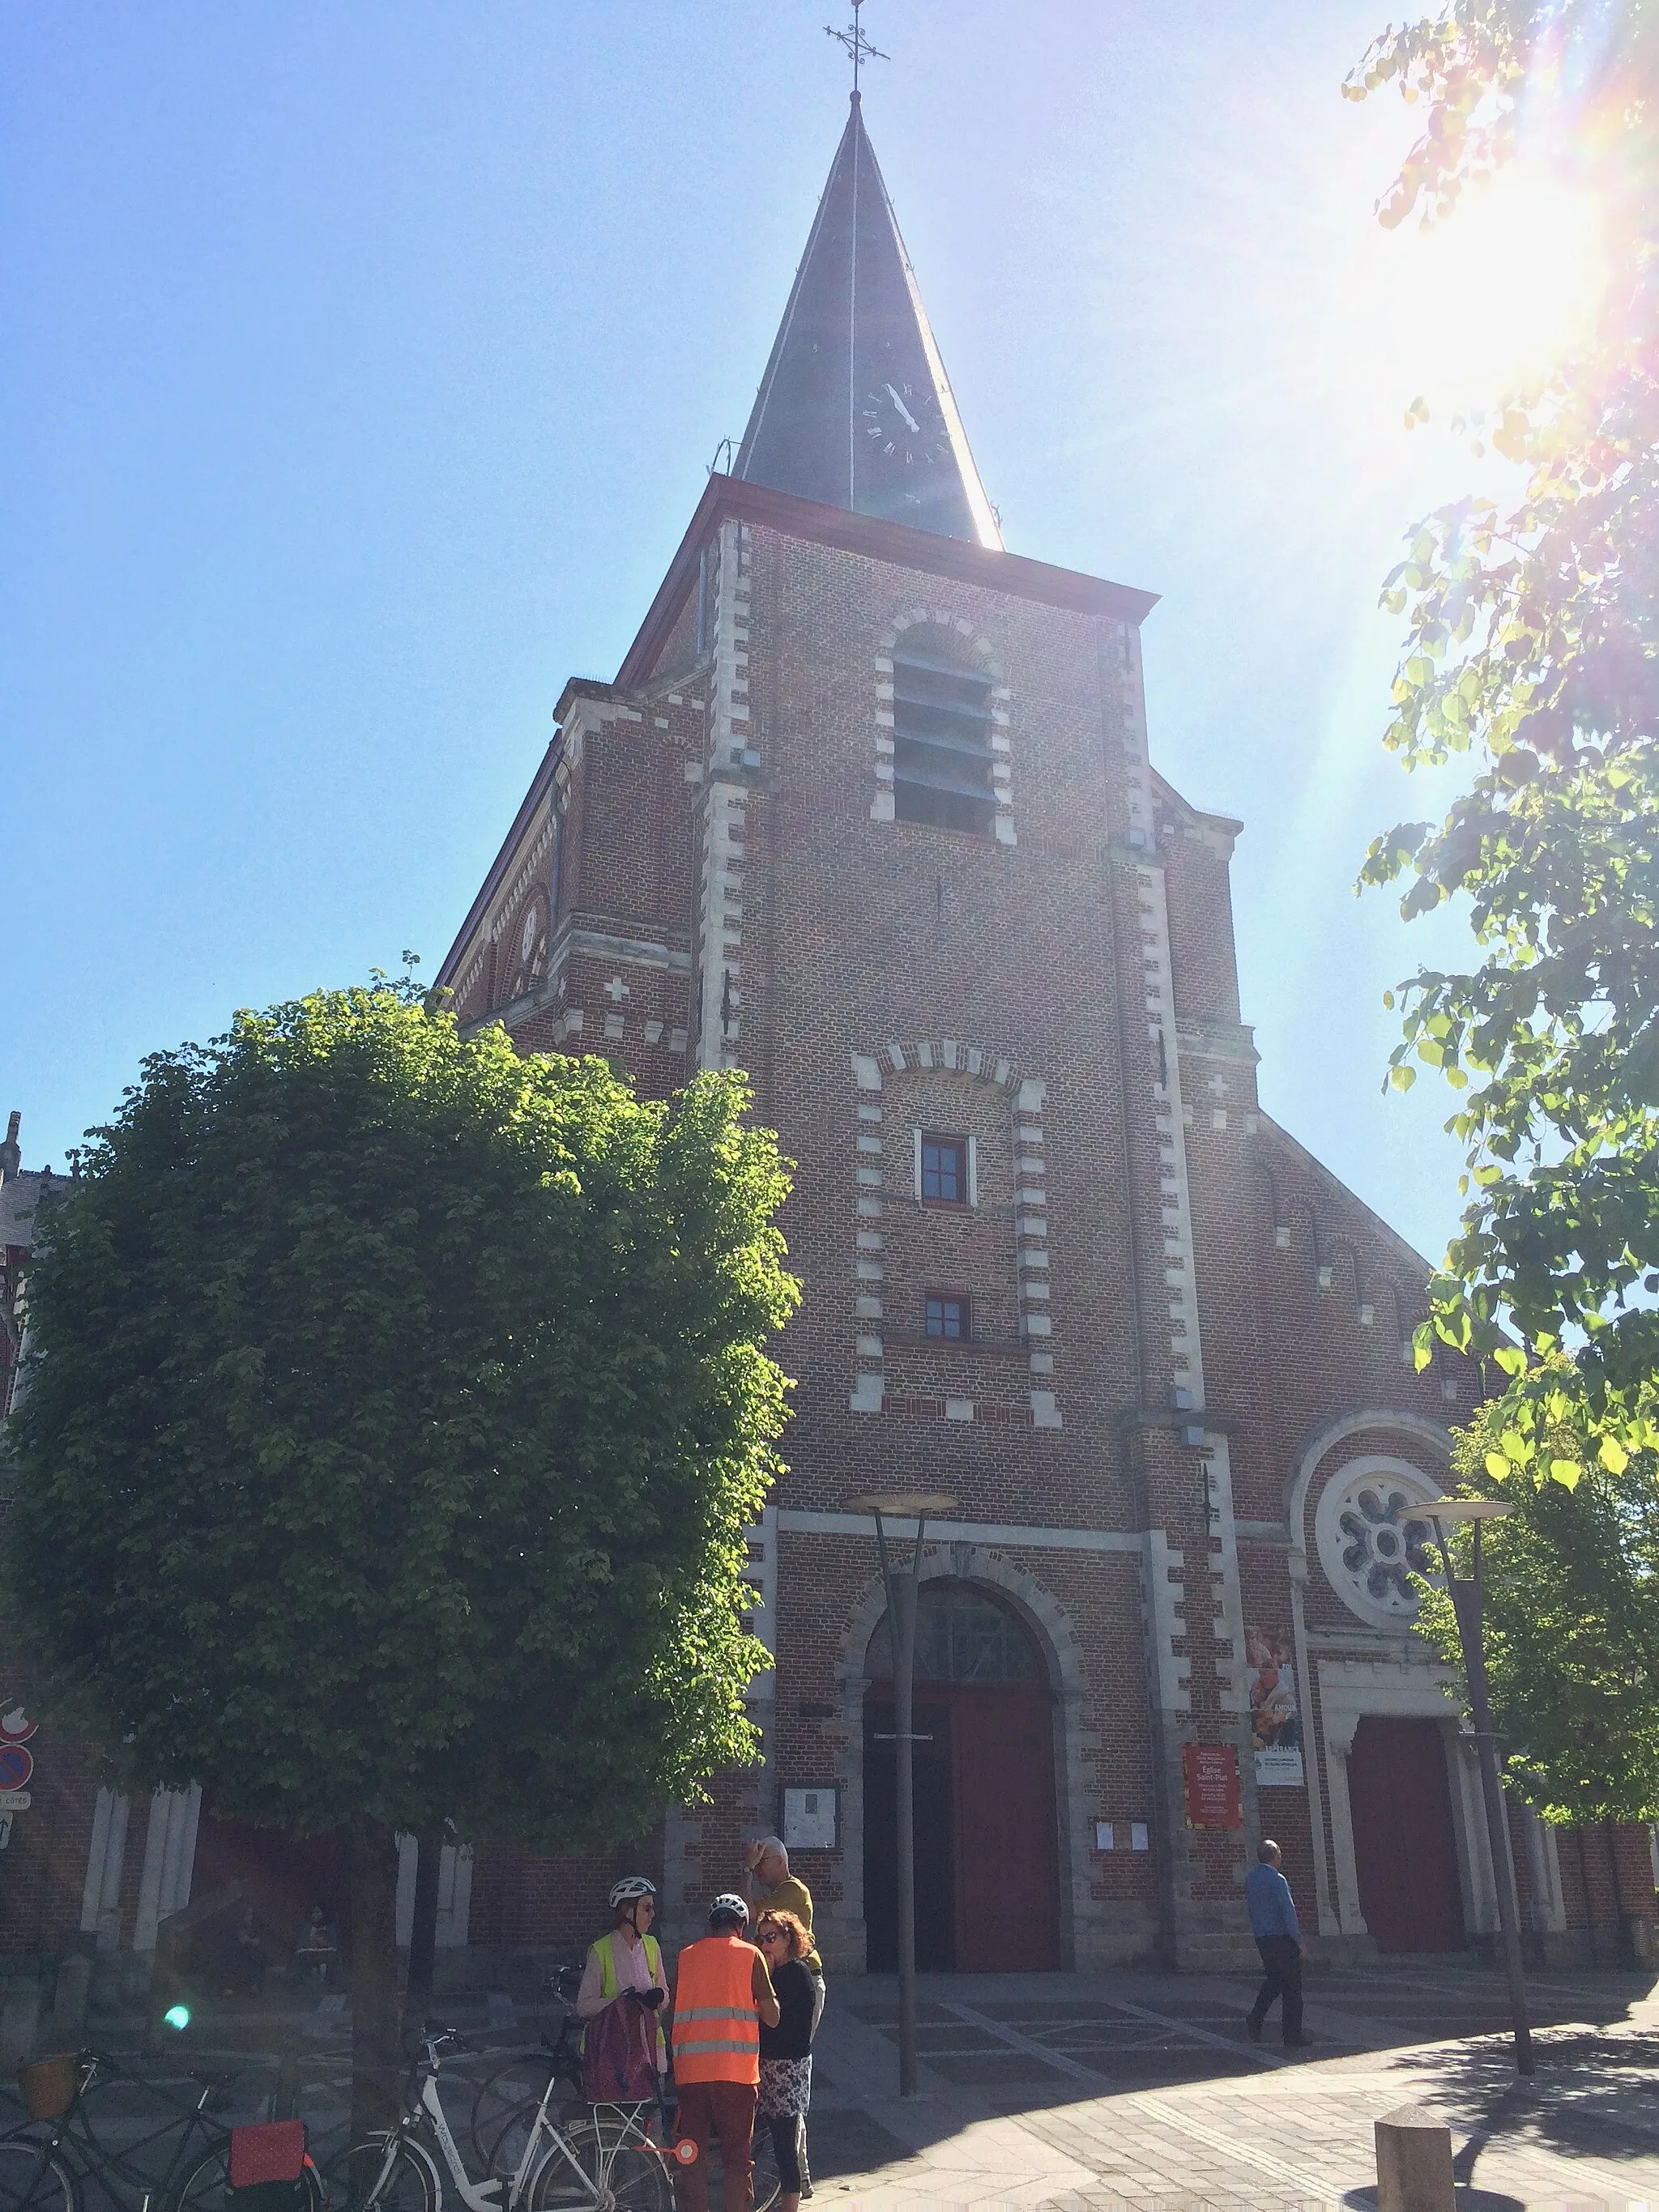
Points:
(723, 1993)
(629, 1958)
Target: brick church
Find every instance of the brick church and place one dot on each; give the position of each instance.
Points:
(870, 811)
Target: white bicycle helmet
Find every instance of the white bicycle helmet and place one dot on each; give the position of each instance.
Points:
(729, 1902)
(630, 1887)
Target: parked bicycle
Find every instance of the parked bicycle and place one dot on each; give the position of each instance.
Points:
(46, 2164)
(507, 2099)
(562, 2167)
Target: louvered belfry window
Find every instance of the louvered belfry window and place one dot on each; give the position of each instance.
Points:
(942, 743)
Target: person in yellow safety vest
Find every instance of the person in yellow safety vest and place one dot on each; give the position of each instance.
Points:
(723, 1992)
(629, 1958)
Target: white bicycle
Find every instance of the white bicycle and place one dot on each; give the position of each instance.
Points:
(581, 2167)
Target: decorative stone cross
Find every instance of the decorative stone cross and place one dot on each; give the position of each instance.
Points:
(616, 990)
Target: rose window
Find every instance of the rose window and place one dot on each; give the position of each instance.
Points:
(1380, 1540)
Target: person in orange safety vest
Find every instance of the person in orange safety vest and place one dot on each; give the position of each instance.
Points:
(723, 1992)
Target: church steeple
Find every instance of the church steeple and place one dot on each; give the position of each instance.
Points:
(855, 409)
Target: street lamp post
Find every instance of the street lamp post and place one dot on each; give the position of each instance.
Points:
(900, 1584)
(1465, 1592)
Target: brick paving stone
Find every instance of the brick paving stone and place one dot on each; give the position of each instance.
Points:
(1154, 2128)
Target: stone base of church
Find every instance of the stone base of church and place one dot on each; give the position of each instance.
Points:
(1209, 1941)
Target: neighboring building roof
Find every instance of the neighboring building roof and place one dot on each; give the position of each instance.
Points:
(19, 1196)
(855, 409)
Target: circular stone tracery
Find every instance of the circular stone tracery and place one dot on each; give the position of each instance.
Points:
(1372, 1538)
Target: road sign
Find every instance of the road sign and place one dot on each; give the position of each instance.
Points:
(16, 1765)
(15, 1801)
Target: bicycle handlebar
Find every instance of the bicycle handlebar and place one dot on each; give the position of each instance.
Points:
(445, 2038)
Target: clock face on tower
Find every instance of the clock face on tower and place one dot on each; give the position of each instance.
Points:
(905, 426)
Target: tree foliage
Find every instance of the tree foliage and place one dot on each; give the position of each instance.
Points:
(1533, 649)
(1570, 1587)
(396, 1410)
(396, 1406)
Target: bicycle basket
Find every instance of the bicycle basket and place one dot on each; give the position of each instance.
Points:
(48, 2085)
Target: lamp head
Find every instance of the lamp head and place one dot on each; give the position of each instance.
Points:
(904, 1504)
(1448, 1510)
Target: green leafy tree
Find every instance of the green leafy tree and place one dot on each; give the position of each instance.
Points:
(1570, 1587)
(398, 1406)
(1534, 651)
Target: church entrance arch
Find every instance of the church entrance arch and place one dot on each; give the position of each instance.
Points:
(987, 1873)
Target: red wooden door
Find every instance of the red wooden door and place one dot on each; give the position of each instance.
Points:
(1007, 1873)
(1404, 1850)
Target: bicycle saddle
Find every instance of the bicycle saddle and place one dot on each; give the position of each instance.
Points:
(215, 2077)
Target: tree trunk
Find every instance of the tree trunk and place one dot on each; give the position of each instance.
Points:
(423, 1935)
(376, 2048)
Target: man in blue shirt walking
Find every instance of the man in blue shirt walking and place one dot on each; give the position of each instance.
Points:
(1278, 1938)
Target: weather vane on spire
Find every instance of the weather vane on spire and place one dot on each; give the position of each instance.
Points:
(857, 46)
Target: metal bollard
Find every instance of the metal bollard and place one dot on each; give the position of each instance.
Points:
(1414, 2162)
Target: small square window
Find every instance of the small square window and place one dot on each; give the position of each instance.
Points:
(948, 1316)
(944, 1170)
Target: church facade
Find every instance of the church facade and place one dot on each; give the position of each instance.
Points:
(870, 811)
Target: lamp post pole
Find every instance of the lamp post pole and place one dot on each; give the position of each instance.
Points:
(899, 1585)
(1465, 1592)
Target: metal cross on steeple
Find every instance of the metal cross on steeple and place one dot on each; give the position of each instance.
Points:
(857, 46)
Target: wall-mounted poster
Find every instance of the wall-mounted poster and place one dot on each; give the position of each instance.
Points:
(1211, 1774)
(810, 1819)
(1275, 1723)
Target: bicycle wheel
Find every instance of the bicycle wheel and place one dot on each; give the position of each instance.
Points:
(504, 2109)
(620, 2172)
(207, 2188)
(360, 2180)
(34, 2178)
(766, 2183)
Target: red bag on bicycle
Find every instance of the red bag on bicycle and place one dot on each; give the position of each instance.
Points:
(619, 2058)
(268, 2167)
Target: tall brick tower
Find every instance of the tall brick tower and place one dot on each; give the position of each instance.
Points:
(868, 811)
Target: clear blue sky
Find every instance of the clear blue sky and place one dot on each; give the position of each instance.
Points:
(362, 364)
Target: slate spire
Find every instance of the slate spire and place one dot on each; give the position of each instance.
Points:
(855, 409)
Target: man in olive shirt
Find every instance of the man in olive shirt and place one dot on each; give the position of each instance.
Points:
(770, 1888)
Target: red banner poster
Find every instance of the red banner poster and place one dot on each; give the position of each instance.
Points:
(1211, 1773)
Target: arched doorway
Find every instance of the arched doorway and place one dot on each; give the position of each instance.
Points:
(988, 1876)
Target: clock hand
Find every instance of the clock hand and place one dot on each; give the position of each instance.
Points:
(909, 419)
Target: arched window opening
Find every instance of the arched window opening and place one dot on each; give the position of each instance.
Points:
(942, 752)
(962, 1636)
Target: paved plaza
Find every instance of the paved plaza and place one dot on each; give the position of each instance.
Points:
(1097, 2092)
(1090, 2093)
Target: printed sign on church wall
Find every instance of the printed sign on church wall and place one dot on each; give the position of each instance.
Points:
(1275, 1723)
(1210, 1771)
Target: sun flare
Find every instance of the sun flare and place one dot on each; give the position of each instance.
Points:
(1488, 299)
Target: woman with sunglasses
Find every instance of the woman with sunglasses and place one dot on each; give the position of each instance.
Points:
(786, 2050)
(627, 1959)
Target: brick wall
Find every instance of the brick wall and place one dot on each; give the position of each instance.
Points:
(1176, 1302)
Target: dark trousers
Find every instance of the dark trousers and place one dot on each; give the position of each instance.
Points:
(789, 2148)
(726, 2109)
(1281, 1956)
